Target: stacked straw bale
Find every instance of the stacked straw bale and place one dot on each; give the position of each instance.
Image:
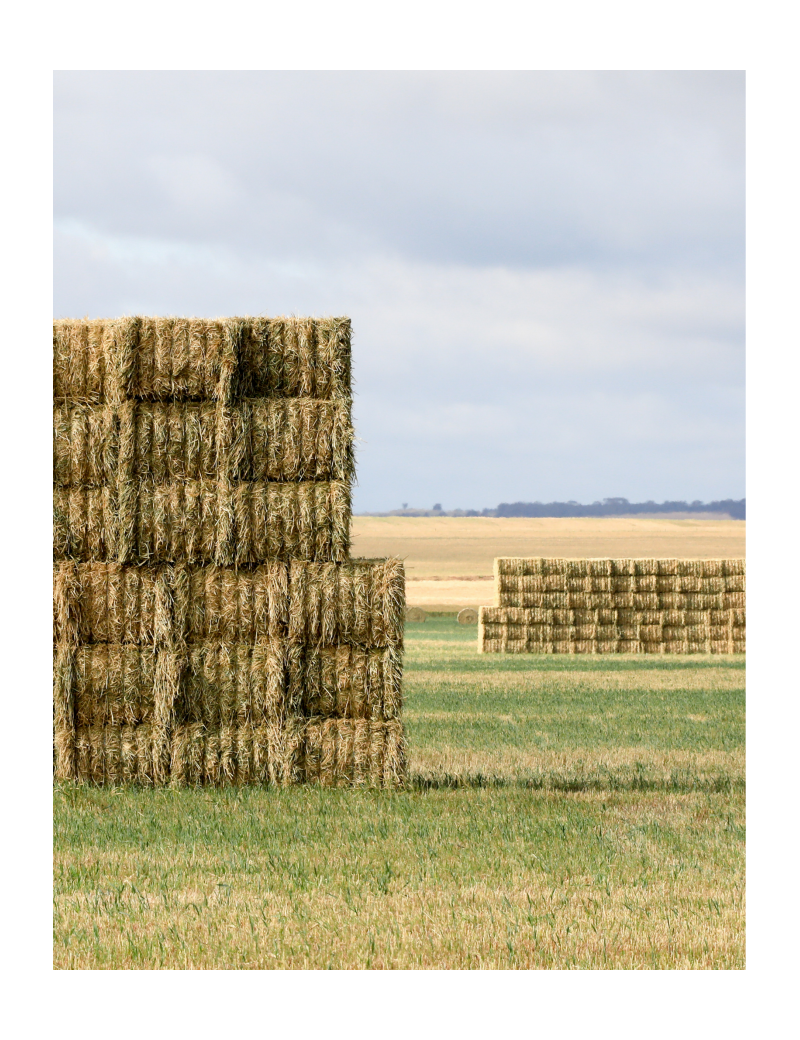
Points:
(562, 606)
(209, 624)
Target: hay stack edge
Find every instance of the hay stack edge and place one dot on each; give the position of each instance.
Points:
(603, 606)
(210, 626)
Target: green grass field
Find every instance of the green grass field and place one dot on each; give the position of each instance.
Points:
(563, 812)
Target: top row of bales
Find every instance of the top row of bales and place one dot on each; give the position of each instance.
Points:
(536, 566)
(185, 359)
(227, 441)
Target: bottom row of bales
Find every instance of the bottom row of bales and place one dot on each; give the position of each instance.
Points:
(533, 630)
(179, 674)
(328, 752)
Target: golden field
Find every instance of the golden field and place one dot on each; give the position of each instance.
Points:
(449, 559)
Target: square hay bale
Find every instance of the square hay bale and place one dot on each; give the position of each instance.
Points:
(114, 684)
(345, 753)
(733, 567)
(733, 600)
(600, 569)
(361, 601)
(79, 359)
(508, 567)
(227, 684)
(345, 682)
(704, 601)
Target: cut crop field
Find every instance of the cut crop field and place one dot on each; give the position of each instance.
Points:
(563, 812)
(449, 559)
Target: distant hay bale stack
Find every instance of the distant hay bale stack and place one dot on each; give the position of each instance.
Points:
(647, 606)
(209, 624)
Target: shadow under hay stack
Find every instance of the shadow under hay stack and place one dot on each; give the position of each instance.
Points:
(645, 606)
(209, 623)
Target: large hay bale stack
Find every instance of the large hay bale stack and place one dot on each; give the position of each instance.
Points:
(209, 623)
(647, 606)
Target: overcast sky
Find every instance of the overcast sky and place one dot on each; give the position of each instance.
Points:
(545, 271)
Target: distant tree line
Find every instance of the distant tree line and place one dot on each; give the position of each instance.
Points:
(618, 507)
(608, 507)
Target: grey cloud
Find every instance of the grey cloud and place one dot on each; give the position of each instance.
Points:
(544, 271)
(513, 168)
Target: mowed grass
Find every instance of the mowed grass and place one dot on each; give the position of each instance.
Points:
(563, 812)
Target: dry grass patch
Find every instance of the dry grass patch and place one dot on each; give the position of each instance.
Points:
(470, 879)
